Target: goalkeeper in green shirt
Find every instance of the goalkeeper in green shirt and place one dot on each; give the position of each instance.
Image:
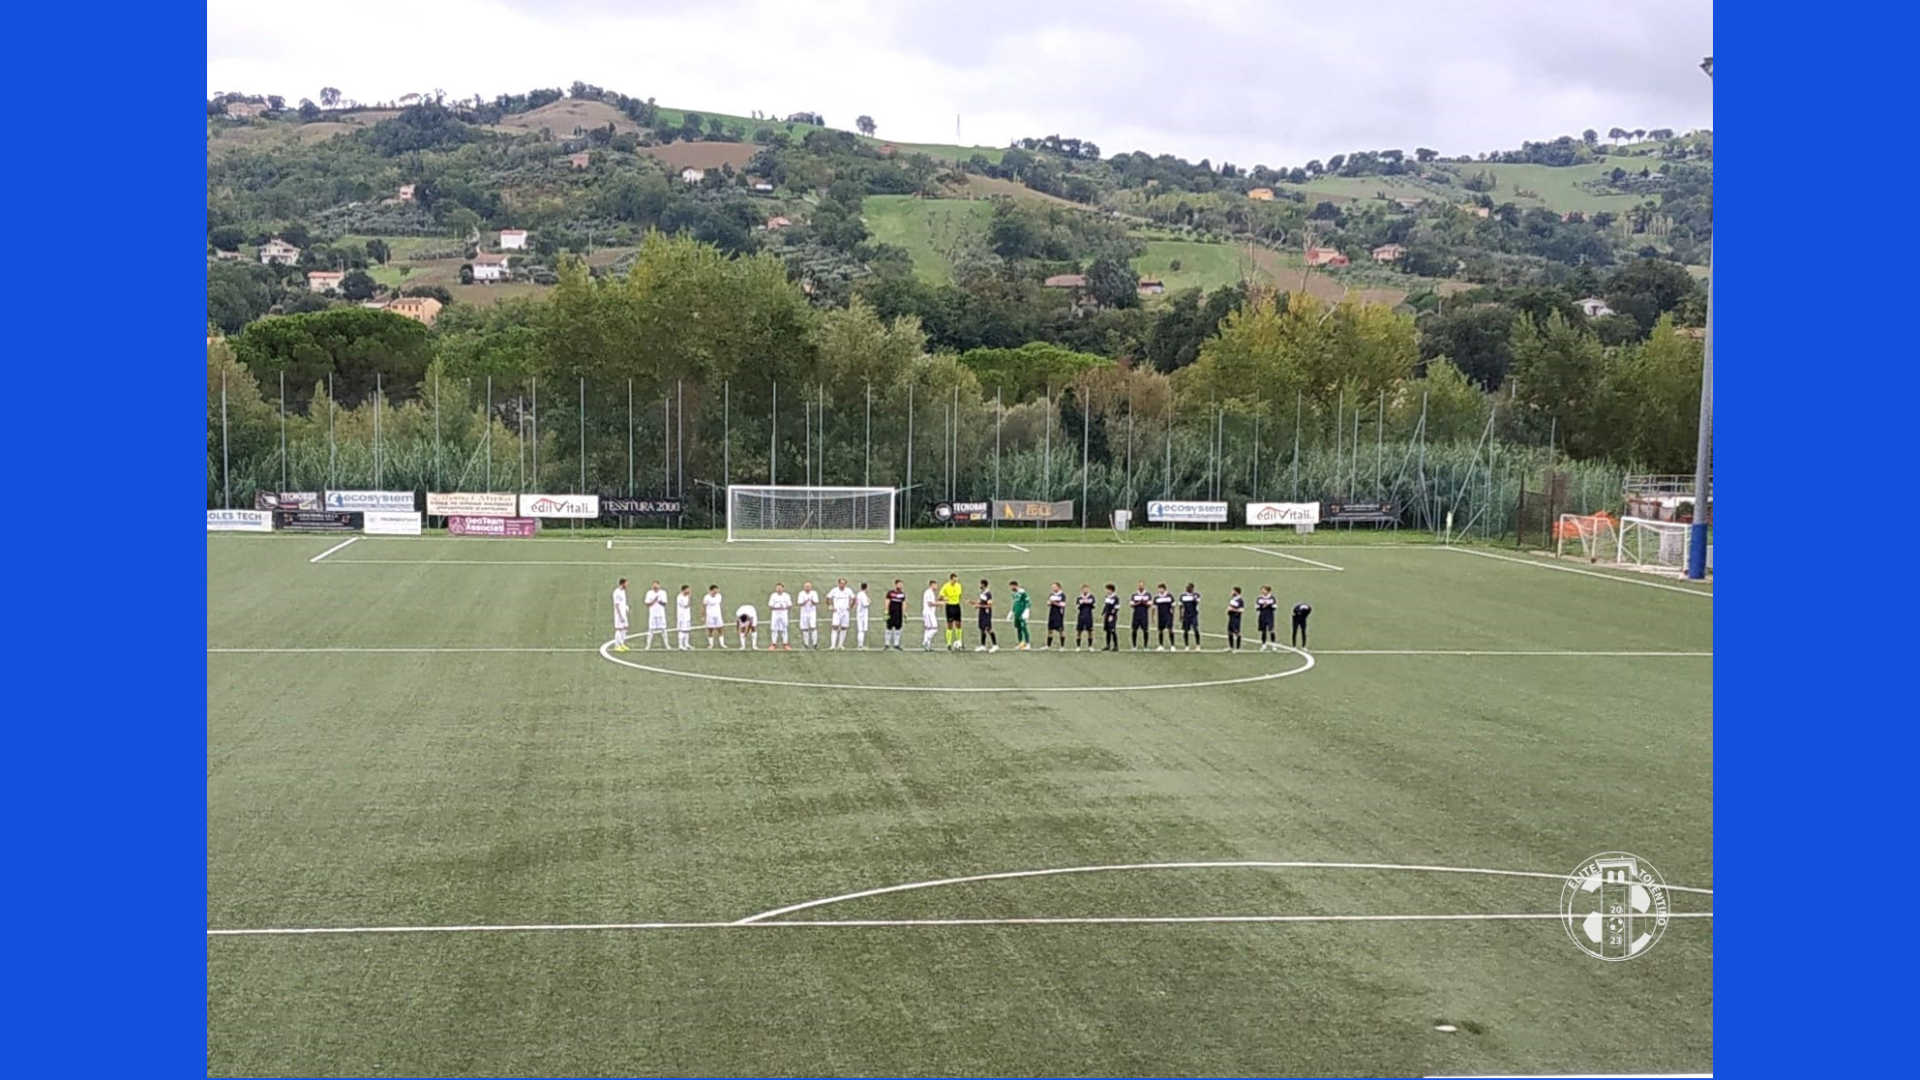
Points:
(1021, 601)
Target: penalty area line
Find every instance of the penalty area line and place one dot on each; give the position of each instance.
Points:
(1284, 555)
(1576, 570)
(1037, 920)
(1017, 547)
(333, 549)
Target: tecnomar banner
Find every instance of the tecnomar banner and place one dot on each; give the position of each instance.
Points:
(286, 500)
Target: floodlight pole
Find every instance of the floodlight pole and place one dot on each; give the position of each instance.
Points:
(1703, 451)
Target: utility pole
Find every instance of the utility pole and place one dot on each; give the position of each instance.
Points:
(1703, 450)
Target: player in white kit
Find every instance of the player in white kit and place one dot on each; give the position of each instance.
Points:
(930, 614)
(656, 599)
(683, 616)
(620, 617)
(861, 603)
(777, 606)
(749, 622)
(841, 598)
(809, 615)
(716, 621)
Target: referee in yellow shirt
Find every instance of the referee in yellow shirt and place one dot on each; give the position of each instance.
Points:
(951, 594)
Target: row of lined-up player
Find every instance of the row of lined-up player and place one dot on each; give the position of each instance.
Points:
(942, 606)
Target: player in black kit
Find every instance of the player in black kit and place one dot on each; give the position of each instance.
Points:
(1236, 605)
(1083, 620)
(1163, 610)
(1300, 613)
(1142, 607)
(1190, 619)
(1264, 605)
(1056, 616)
(1110, 619)
(896, 614)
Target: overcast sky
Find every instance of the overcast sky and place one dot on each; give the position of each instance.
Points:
(1272, 83)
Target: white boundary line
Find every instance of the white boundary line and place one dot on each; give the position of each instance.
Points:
(1503, 652)
(791, 568)
(1284, 555)
(1038, 920)
(1232, 864)
(1017, 547)
(333, 549)
(1576, 570)
(607, 654)
(1210, 633)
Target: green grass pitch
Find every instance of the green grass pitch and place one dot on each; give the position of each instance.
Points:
(424, 733)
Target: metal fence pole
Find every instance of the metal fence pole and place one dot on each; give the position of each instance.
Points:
(283, 431)
(377, 395)
(1086, 446)
(1379, 442)
(583, 435)
(630, 491)
(486, 430)
(906, 513)
(436, 428)
(680, 420)
(993, 519)
(535, 422)
(332, 446)
(868, 481)
(226, 471)
(773, 438)
(1296, 446)
(726, 432)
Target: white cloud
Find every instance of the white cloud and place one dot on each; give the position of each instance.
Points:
(1273, 83)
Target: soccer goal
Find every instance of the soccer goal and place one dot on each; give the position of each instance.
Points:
(1657, 546)
(849, 514)
(1593, 537)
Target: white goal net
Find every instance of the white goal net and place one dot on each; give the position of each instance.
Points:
(1659, 546)
(809, 513)
(1593, 537)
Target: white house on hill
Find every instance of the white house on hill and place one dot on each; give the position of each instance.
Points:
(513, 239)
(490, 268)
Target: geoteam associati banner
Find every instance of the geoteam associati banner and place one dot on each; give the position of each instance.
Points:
(369, 500)
(1280, 513)
(492, 526)
(559, 506)
(1170, 510)
(391, 523)
(472, 503)
(239, 521)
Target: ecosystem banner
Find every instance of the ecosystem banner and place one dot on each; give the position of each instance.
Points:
(369, 500)
(1168, 510)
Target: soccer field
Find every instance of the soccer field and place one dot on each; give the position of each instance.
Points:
(449, 834)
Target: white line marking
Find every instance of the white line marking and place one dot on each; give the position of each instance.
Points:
(1284, 555)
(1500, 652)
(1007, 875)
(1038, 920)
(1017, 547)
(333, 549)
(1577, 570)
(412, 649)
(799, 567)
(607, 654)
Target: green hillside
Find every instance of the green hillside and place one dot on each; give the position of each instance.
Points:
(931, 230)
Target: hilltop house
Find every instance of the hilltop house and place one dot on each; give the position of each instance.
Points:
(405, 194)
(1152, 286)
(488, 267)
(762, 187)
(1319, 256)
(421, 309)
(277, 250)
(1408, 203)
(1593, 307)
(1264, 194)
(322, 281)
(579, 160)
(513, 239)
(245, 110)
(1066, 281)
(692, 175)
(1389, 253)
(777, 222)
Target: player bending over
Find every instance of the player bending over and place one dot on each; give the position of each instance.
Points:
(896, 614)
(656, 599)
(1142, 608)
(1083, 618)
(984, 602)
(841, 598)
(749, 623)
(683, 616)
(930, 614)
(779, 602)
(1163, 612)
(1190, 619)
(809, 615)
(1300, 613)
(1236, 606)
(1023, 642)
(861, 603)
(951, 596)
(1263, 607)
(1056, 616)
(620, 617)
(716, 619)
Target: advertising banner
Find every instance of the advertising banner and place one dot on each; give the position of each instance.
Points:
(560, 506)
(492, 526)
(623, 506)
(239, 521)
(392, 523)
(1376, 513)
(1279, 513)
(369, 500)
(472, 503)
(1170, 510)
(286, 500)
(317, 520)
(944, 512)
(1022, 510)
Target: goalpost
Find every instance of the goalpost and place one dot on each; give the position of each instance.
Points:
(800, 513)
(1592, 537)
(1659, 546)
